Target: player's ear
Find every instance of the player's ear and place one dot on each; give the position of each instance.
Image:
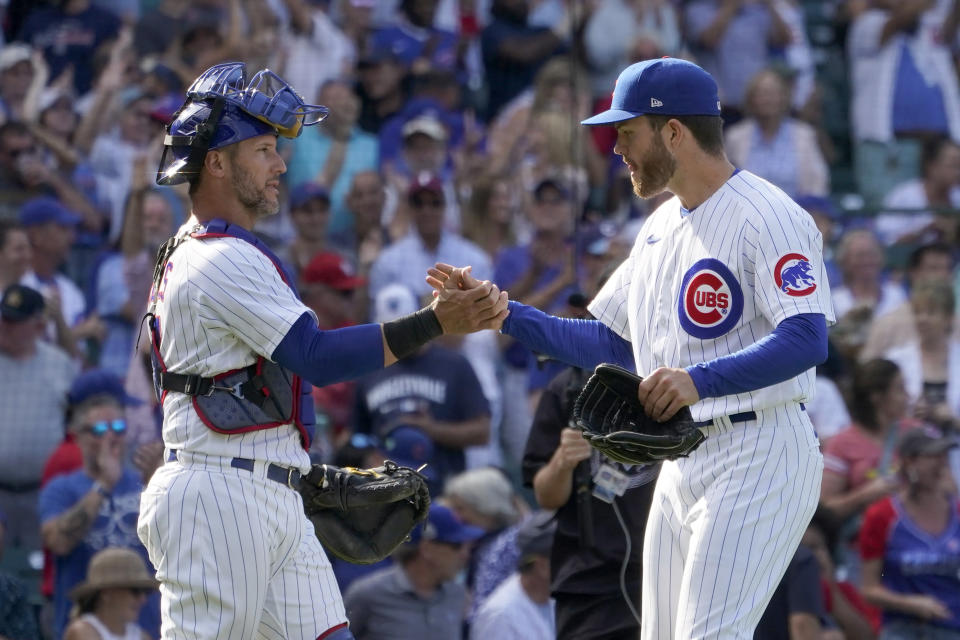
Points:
(215, 163)
(673, 133)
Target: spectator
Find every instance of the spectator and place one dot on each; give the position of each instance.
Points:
(418, 597)
(904, 88)
(521, 606)
(865, 292)
(381, 87)
(859, 463)
(796, 609)
(332, 154)
(427, 243)
(110, 599)
(829, 220)
(310, 214)
(484, 498)
(17, 619)
(29, 369)
(22, 74)
(414, 39)
(95, 507)
(514, 50)
(927, 263)
(843, 602)
(930, 363)
(491, 215)
(909, 543)
(621, 32)
(16, 255)
(924, 207)
(774, 145)
(365, 235)
(732, 40)
(598, 535)
(69, 34)
(435, 390)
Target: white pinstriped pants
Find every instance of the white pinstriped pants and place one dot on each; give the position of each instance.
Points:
(235, 555)
(725, 523)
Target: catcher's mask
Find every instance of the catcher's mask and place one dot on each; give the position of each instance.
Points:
(223, 108)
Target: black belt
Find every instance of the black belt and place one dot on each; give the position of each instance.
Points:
(284, 475)
(746, 416)
(195, 385)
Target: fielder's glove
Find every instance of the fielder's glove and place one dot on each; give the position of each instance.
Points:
(362, 515)
(614, 422)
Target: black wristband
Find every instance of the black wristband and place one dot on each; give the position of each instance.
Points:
(407, 334)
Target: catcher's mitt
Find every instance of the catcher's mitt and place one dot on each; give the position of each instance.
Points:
(614, 422)
(362, 515)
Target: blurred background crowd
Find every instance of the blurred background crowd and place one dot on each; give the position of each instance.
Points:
(453, 136)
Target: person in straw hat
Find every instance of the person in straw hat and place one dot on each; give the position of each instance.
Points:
(109, 601)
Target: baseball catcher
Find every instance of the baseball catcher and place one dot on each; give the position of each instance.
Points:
(362, 515)
(615, 423)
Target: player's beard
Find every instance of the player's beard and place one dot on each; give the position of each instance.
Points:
(254, 200)
(654, 170)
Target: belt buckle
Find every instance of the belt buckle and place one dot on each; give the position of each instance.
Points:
(290, 471)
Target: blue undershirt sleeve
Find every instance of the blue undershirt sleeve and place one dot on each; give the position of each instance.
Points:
(326, 357)
(581, 343)
(795, 345)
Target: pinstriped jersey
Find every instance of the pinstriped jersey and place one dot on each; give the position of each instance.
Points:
(706, 283)
(220, 304)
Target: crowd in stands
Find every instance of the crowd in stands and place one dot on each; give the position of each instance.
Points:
(454, 136)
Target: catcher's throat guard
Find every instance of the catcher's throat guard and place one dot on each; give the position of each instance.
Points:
(613, 421)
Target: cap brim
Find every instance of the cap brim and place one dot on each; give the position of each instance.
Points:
(467, 533)
(85, 589)
(348, 284)
(610, 116)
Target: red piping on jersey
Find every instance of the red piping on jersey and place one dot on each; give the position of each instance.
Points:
(328, 632)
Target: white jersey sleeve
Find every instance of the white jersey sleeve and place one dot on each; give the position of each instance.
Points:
(239, 292)
(784, 248)
(610, 305)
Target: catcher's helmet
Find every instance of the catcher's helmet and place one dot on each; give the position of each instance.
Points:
(223, 108)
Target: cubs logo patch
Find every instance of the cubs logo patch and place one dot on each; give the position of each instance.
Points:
(710, 301)
(793, 275)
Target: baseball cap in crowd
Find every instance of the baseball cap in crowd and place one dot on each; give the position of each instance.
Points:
(924, 441)
(424, 181)
(393, 301)
(818, 204)
(556, 184)
(307, 191)
(165, 106)
(46, 209)
(20, 303)
(409, 446)
(535, 535)
(52, 96)
(100, 381)
(333, 270)
(13, 54)
(427, 124)
(663, 86)
(443, 525)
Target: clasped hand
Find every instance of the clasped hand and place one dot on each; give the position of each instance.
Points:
(464, 304)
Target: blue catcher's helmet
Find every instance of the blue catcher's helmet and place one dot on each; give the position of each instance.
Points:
(223, 108)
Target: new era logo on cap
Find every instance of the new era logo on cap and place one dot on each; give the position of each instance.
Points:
(655, 103)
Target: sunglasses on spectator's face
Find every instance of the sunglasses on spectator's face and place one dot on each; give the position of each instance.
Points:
(118, 426)
(140, 591)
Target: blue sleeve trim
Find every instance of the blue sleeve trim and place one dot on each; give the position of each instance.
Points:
(581, 343)
(795, 345)
(326, 357)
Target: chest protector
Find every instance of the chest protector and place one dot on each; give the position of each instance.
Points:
(263, 395)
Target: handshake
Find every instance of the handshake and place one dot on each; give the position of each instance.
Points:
(464, 304)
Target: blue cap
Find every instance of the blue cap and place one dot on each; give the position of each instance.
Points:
(818, 204)
(409, 446)
(664, 86)
(307, 191)
(46, 209)
(442, 525)
(100, 381)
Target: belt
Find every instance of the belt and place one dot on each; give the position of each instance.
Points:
(284, 475)
(745, 416)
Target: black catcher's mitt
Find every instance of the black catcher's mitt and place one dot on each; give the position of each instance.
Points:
(614, 422)
(362, 515)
